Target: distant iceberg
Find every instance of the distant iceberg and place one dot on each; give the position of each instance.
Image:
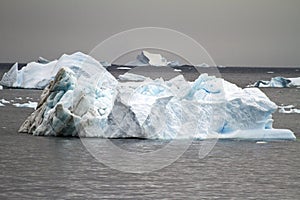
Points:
(94, 104)
(151, 59)
(280, 82)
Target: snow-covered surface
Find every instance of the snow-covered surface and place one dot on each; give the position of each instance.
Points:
(288, 109)
(97, 105)
(278, 82)
(151, 59)
(1, 87)
(30, 104)
(38, 75)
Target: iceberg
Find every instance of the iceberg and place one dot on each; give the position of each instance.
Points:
(91, 103)
(37, 75)
(278, 81)
(151, 59)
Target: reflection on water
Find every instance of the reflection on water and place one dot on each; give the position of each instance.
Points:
(62, 168)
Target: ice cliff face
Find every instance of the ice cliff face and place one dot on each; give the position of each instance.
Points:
(90, 102)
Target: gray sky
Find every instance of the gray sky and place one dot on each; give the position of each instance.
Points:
(234, 32)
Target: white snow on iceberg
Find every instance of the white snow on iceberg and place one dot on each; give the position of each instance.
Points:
(97, 105)
(278, 82)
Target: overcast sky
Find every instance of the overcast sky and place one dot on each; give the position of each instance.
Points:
(234, 32)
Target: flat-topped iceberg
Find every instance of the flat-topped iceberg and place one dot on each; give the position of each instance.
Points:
(278, 82)
(90, 102)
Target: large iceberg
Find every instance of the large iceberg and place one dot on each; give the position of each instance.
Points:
(90, 102)
(278, 82)
(146, 58)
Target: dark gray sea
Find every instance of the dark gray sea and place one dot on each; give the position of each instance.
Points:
(34, 167)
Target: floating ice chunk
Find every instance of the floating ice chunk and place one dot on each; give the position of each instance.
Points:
(260, 134)
(2, 105)
(288, 109)
(4, 101)
(177, 70)
(1, 87)
(270, 72)
(124, 68)
(19, 98)
(261, 142)
(278, 82)
(30, 104)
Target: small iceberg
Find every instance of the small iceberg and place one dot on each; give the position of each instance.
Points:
(279, 81)
(90, 102)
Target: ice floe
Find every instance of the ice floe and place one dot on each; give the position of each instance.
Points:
(288, 109)
(30, 104)
(2, 105)
(124, 68)
(92, 103)
(278, 82)
(4, 101)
